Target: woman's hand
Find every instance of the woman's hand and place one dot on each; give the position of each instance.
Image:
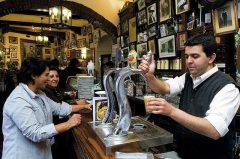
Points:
(74, 120)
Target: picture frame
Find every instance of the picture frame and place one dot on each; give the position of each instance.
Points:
(152, 31)
(13, 40)
(14, 55)
(47, 51)
(81, 43)
(142, 37)
(89, 29)
(141, 50)
(7, 51)
(165, 11)
(151, 14)
(124, 26)
(100, 106)
(190, 25)
(163, 30)
(181, 39)
(132, 29)
(90, 37)
(30, 49)
(182, 6)
(166, 46)
(151, 46)
(225, 18)
(13, 48)
(125, 52)
(84, 30)
(141, 4)
(142, 17)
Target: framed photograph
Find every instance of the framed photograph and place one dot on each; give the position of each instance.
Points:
(14, 55)
(142, 37)
(13, 40)
(166, 46)
(165, 10)
(141, 4)
(132, 46)
(84, 30)
(141, 50)
(132, 30)
(30, 49)
(125, 53)
(81, 43)
(142, 17)
(152, 31)
(100, 106)
(225, 18)
(163, 30)
(124, 26)
(47, 51)
(12, 48)
(181, 39)
(152, 14)
(151, 46)
(182, 6)
(190, 25)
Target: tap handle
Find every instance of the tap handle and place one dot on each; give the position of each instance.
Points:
(149, 56)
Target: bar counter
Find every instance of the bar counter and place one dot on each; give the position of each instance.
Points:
(87, 146)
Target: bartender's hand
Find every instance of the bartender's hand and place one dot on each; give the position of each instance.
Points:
(148, 68)
(74, 120)
(160, 106)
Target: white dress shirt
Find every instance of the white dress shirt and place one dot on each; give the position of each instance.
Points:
(224, 105)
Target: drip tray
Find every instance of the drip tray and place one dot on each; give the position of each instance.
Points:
(141, 132)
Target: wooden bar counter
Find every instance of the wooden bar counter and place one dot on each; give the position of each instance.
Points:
(87, 145)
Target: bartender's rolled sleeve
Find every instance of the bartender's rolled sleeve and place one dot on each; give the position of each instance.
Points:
(218, 123)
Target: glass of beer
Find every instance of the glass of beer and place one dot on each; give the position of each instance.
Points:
(145, 98)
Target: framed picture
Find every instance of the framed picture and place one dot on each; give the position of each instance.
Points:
(165, 10)
(152, 14)
(142, 17)
(125, 52)
(132, 30)
(166, 46)
(100, 106)
(225, 18)
(89, 29)
(182, 6)
(14, 55)
(152, 31)
(13, 48)
(163, 30)
(84, 30)
(141, 4)
(124, 26)
(81, 43)
(190, 25)
(181, 39)
(132, 46)
(30, 49)
(47, 52)
(141, 50)
(151, 46)
(142, 37)
(13, 40)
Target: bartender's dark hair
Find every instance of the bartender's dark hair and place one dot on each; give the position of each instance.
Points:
(30, 67)
(207, 41)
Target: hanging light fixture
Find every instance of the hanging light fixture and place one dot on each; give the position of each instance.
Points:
(60, 16)
(41, 39)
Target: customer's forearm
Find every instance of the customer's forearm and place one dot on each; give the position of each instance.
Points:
(63, 127)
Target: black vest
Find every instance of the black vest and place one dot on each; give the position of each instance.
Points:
(191, 145)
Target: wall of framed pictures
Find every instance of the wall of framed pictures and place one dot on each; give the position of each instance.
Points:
(163, 27)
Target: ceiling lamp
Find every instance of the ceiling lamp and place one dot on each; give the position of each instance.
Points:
(41, 39)
(60, 16)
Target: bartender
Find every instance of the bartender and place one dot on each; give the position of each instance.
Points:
(209, 101)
